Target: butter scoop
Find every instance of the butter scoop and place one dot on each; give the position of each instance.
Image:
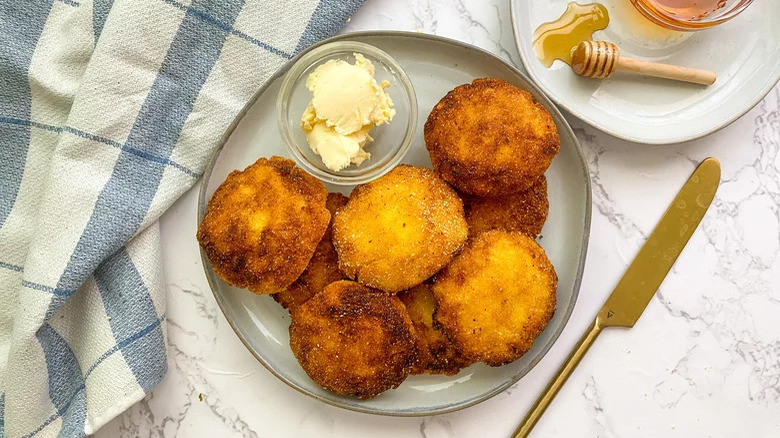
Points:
(346, 103)
(338, 151)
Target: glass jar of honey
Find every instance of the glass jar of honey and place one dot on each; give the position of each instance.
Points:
(690, 15)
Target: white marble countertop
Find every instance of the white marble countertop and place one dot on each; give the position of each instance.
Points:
(703, 361)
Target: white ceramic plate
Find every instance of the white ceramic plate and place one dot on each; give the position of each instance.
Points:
(744, 53)
(435, 66)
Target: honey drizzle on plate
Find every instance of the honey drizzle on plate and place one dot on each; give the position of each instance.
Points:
(557, 39)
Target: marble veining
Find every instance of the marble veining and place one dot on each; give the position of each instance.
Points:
(703, 361)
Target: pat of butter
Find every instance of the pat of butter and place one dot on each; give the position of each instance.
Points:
(346, 103)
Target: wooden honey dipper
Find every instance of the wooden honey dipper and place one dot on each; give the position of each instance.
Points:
(599, 59)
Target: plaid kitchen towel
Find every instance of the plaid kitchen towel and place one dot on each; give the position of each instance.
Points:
(109, 111)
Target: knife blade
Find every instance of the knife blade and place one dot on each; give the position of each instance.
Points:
(656, 257)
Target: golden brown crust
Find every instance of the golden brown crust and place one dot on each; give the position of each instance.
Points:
(490, 138)
(525, 211)
(353, 340)
(400, 229)
(323, 268)
(263, 223)
(496, 297)
(437, 355)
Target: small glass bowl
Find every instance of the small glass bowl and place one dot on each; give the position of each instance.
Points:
(391, 140)
(656, 14)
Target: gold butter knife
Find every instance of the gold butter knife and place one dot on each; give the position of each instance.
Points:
(642, 278)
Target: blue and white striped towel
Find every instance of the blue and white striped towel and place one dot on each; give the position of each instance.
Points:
(109, 110)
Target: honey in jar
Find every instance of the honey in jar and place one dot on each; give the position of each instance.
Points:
(690, 15)
(689, 10)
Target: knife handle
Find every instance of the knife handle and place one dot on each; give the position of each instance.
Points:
(560, 378)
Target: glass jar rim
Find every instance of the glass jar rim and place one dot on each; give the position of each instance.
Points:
(669, 22)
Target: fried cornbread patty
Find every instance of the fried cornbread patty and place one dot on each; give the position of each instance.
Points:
(262, 225)
(437, 355)
(490, 138)
(353, 340)
(496, 297)
(323, 268)
(400, 229)
(525, 211)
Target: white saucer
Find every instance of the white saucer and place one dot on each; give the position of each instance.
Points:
(744, 53)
